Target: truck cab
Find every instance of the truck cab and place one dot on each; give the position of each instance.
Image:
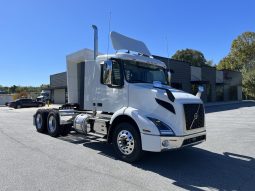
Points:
(127, 97)
(44, 96)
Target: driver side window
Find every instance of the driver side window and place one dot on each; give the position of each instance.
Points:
(116, 75)
(112, 77)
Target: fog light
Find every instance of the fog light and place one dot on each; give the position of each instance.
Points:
(165, 143)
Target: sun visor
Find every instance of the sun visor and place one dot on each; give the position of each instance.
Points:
(121, 42)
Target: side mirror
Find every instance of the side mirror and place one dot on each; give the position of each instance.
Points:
(169, 77)
(200, 91)
(107, 72)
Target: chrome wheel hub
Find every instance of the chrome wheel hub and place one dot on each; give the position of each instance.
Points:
(52, 124)
(125, 142)
(39, 121)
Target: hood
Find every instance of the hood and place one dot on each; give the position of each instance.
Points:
(40, 97)
(179, 95)
(163, 103)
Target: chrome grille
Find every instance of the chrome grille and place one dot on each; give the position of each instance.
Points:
(194, 116)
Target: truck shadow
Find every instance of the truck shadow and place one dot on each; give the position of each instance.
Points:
(190, 168)
(195, 168)
(217, 108)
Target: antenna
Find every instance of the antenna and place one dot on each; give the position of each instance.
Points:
(167, 53)
(109, 29)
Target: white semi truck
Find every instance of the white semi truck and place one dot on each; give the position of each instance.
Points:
(125, 98)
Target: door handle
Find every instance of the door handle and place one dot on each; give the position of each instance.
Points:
(99, 104)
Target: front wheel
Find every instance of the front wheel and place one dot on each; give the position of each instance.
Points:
(127, 142)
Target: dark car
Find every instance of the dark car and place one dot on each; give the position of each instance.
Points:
(19, 103)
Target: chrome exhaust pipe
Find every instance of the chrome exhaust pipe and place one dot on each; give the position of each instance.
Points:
(95, 41)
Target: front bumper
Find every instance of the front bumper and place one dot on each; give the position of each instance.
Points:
(156, 143)
(182, 141)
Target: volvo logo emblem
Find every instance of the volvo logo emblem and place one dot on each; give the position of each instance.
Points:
(195, 116)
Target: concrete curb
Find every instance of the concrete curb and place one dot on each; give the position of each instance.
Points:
(227, 103)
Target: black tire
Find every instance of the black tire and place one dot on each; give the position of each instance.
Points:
(39, 105)
(41, 120)
(65, 129)
(136, 151)
(53, 126)
(18, 106)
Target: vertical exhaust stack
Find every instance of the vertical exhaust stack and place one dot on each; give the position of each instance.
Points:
(95, 41)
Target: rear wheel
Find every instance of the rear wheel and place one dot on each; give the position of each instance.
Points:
(41, 120)
(127, 142)
(53, 126)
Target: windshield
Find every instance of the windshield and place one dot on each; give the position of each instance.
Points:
(138, 72)
(45, 94)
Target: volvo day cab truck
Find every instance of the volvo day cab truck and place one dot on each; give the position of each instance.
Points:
(126, 99)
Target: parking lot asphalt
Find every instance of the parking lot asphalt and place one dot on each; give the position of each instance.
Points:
(34, 161)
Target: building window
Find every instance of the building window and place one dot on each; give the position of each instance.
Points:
(194, 89)
(208, 92)
(219, 92)
(232, 93)
(177, 86)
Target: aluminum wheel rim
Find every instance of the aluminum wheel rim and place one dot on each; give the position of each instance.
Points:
(52, 124)
(39, 121)
(125, 141)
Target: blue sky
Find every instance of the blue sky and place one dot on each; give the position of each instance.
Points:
(36, 35)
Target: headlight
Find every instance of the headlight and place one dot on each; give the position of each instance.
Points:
(163, 128)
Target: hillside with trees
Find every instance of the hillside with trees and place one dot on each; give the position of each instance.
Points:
(22, 91)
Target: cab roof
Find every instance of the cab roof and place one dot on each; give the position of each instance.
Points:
(134, 57)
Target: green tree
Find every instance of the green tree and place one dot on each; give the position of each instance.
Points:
(249, 83)
(13, 89)
(242, 58)
(210, 63)
(195, 57)
(242, 53)
(227, 63)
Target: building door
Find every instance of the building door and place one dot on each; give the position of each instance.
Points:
(59, 96)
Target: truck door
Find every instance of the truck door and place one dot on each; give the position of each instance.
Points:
(112, 96)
